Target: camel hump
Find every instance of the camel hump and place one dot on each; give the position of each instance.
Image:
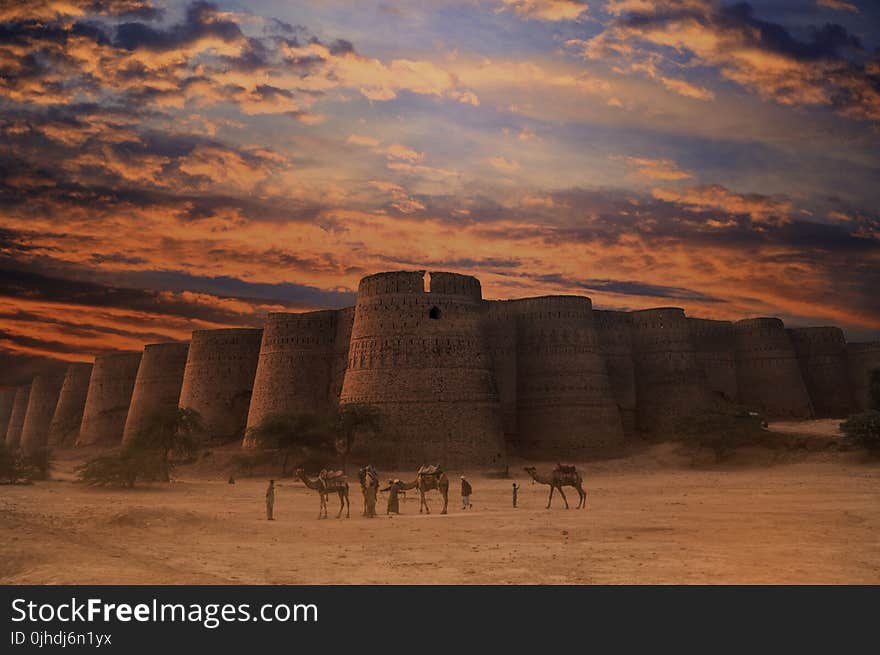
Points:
(431, 469)
(567, 468)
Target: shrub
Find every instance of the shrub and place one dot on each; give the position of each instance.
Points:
(16, 468)
(38, 465)
(722, 431)
(863, 430)
(11, 468)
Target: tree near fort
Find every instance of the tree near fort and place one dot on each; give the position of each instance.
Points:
(309, 433)
(175, 432)
(292, 433)
(352, 420)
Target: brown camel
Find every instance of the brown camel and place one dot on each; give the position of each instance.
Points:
(427, 478)
(561, 476)
(369, 480)
(326, 484)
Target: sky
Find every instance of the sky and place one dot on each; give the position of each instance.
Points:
(168, 166)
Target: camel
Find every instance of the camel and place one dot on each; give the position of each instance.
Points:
(561, 476)
(325, 484)
(369, 480)
(427, 478)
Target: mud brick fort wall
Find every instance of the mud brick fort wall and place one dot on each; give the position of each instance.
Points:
(157, 385)
(218, 379)
(109, 395)
(767, 370)
(16, 416)
(67, 417)
(38, 416)
(458, 379)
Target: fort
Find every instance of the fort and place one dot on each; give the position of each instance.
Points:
(460, 379)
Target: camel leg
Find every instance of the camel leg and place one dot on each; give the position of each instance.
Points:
(347, 507)
(425, 497)
(550, 500)
(564, 499)
(583, 501)
(445, 502)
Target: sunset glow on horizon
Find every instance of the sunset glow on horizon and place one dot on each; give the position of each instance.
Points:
(168, 166)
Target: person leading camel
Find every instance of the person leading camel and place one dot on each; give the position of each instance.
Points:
(393, 490)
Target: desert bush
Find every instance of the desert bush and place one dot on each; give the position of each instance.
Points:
(125, 468)
(38, 465)
(15, 468)
(863, 430)
(245, 464)
(722, 431)
(12, 470)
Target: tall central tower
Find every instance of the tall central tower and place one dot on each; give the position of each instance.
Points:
(418, 353)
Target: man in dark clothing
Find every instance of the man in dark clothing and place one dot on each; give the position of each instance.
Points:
(465, 493)
(515, 491)
(393, 490)
(270, 501)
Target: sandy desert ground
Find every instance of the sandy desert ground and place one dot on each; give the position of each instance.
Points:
(652, 517)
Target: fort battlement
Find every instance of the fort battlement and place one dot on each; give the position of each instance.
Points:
(66, 420)
(157, 385)
(295, 367)
(418, 352)
(615, 332)
(564, 398)
(715, 343)
(219, 378)
(863, 362)
(821, 353)
(670, 380)
(108, 399)
(768, 374)
(41, 406)
(16, 416)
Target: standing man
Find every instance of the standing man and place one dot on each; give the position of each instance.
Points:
(393, 490)
(270, 501)
(515, 491)
(465, 493)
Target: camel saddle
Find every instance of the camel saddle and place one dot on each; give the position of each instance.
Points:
(329, 476)
(433, 469)
(566, 468)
